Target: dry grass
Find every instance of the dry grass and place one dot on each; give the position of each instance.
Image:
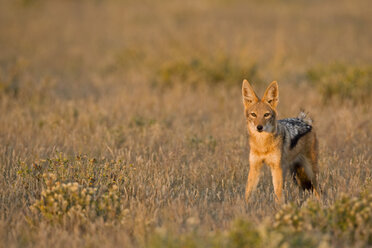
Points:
(127, 99)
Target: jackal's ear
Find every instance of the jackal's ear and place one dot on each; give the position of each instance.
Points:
(271, 95)
(249, 97)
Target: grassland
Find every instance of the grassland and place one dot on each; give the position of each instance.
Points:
(121, 122)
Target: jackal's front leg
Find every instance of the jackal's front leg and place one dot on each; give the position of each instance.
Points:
(253, 176)
(277, 175)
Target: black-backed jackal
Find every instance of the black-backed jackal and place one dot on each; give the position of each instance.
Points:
(287, 145)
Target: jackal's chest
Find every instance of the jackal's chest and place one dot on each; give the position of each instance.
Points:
(264, 147)
(270, 154)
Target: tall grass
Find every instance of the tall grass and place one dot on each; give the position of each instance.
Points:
(122, 122)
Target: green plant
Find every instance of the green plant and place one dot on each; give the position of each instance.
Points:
(342, 81)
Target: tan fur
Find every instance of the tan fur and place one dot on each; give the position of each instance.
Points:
(268, 146)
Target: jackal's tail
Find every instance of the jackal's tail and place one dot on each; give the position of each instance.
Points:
(305, 117)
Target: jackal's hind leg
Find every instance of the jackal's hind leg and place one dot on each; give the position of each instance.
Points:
(305, 177)
(300, 177)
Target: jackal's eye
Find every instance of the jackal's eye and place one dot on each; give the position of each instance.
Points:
(253, 115)
(266, 114)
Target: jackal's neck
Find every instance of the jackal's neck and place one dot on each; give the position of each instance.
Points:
(264, 142)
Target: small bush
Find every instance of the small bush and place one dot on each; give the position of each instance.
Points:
(73, 203)
(219, 69)
(244, 234)
(18, 83)
(86, 171)
(343, 82)
(348, 218)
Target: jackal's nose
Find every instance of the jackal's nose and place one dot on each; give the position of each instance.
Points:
(259, 128)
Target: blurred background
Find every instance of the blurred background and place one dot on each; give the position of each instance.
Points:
(76, 44)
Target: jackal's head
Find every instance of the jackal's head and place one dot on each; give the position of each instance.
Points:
(260, 113)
